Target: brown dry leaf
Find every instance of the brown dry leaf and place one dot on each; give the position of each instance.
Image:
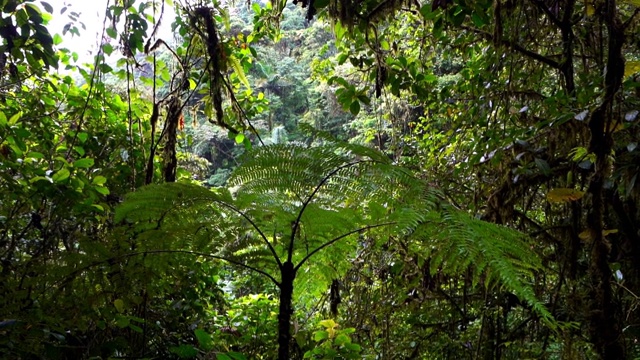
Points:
(588, 235)
(564, 195)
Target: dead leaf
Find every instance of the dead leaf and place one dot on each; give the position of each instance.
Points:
(564, 195)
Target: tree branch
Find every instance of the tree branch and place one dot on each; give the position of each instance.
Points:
(296, 224)
(534, 55)
(333, 241)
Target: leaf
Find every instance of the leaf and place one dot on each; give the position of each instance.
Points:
(320, 335)
(112, 33)
(355, 107)
(47, 7)
(83, 163)
(15, 117)
(184, 351)
(239, 71)
(631, 67)
(61, 175)
(102, 190)
(543, 165)
(204, 339)
(236, 356)
(588, 235)
(99, 180)
(239, 138)
(122, 321)
(564, 195)
(119, 304)
(590, 10)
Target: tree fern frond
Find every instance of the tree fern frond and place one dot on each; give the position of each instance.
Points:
(495, 254)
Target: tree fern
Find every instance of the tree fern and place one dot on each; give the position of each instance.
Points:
(294, 209)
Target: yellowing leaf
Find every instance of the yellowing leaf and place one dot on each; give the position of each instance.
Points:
(330, 326)
(586, 235)
(564, 195)
(631, 67)
(590, 10)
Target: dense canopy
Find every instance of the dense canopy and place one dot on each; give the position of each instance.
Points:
(329, 179)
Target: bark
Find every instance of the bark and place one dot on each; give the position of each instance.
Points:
(286, 309)
(604, 328)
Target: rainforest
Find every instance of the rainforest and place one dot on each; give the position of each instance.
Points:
(320, 179)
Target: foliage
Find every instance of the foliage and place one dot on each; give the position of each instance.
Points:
(497, 218)
(333, 343)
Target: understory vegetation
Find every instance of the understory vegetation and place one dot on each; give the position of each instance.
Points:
(329, 179)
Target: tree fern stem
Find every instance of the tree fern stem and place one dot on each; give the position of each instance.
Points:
(288, 274)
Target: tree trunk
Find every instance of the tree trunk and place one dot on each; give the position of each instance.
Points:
(288, 274)
(605, 331)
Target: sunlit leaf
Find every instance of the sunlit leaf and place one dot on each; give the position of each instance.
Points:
(631, 67)
(83, 163)
(61, 175)
(99, 180)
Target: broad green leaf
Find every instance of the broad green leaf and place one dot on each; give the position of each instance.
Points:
(102, 190)
(204, 339)
(15, 117)
(61, 175)
(112, 33)
(355, 107)
(320, 335)
(83, 163)
(3, 119)
(99, 180)
(83, 136)
(239, 138)
(122, 321)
